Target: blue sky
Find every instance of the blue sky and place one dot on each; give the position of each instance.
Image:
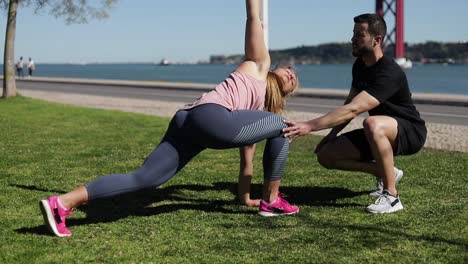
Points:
(188, 30)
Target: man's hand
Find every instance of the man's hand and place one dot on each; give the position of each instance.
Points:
(296, 129)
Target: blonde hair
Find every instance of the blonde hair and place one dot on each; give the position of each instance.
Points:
(275, 97)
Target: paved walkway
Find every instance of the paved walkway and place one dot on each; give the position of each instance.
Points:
(440, 136)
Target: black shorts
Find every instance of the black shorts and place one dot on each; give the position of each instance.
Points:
(410, 139)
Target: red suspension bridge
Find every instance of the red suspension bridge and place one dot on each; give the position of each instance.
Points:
(391, 10)
(394, 9)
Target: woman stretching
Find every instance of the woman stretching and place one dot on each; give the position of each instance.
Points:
(230, 116)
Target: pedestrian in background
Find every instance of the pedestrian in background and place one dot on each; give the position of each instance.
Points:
(31, 67)
(19, 67)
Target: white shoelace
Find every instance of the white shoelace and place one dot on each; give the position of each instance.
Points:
(382, 199)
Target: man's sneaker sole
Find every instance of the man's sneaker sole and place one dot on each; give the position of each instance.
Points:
(49, 218)
(270, 214)
(395, 208)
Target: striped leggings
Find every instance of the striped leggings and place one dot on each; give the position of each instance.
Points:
(190, 132)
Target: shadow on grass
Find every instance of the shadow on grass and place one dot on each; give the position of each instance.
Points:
(141, 203)
(34, 188)
(307, 195)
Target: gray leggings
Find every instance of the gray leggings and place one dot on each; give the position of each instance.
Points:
(190, 132)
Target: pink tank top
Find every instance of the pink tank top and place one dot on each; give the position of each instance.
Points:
(238, 92)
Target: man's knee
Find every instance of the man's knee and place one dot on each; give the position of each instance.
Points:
(379, 129)
(373, 127)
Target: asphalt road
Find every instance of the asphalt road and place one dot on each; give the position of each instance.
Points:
(444, 114)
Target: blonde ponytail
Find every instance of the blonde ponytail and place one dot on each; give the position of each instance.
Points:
(274, 100)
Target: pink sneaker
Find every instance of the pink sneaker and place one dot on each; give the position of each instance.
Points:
(54, 216)
(279, 207)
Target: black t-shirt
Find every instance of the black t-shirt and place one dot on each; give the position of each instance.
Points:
(386, 82)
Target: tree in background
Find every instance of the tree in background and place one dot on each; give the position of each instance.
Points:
(73, 11)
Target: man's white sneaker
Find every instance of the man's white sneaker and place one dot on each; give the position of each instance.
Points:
(386, 203)
(379, 182)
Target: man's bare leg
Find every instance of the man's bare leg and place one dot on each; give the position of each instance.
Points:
(381, 133)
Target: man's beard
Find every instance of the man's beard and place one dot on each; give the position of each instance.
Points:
(362, 51)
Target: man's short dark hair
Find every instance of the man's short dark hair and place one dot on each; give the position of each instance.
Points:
(377, 25)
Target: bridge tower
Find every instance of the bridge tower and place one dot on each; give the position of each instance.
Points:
(395, 35)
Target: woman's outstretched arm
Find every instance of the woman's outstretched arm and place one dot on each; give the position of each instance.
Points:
(255, 48)
(257, 58)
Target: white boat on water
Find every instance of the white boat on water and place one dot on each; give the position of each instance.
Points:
(164, 62)
(404, 63)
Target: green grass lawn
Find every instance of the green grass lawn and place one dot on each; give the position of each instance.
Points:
(49, 148)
